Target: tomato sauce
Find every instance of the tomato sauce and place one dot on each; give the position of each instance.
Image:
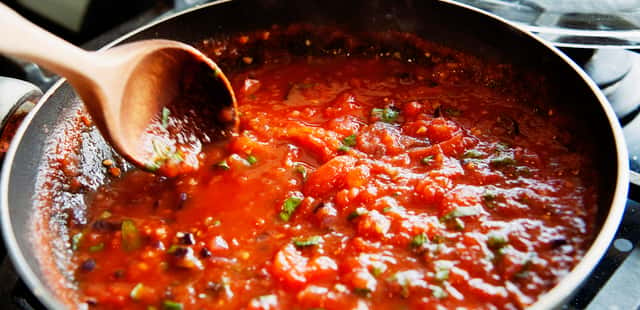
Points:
(354, 183)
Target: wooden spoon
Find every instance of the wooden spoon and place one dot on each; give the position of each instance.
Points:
(155, 101)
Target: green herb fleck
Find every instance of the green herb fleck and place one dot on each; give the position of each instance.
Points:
(377, 268)
(387, 115)
(136, 291)
(343, 148)
(131, 239)
(223, 165)
(461, 212)
(302, 171)
(96, 248)
(288, 207)
(503, 160)
(473, 154)
(350, 141)
(452, 111)
(442, 269)
(497, 240)
(438, 292)
(171, 305)
(386, 209)
(362, 291)
(419, 240)
(165, 117)
(308, 242)
(75, 240)
(152, 167)
(489, 198)
(252, 159)
(427, 160)
(356, 213)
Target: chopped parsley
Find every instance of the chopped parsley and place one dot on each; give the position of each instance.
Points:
(387, 115)
(288, 207)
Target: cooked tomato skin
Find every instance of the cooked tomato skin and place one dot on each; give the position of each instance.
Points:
(353, 184)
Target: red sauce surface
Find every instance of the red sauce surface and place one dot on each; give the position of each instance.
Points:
(353, 184)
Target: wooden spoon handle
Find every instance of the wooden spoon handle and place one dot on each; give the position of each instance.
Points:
(21, 38)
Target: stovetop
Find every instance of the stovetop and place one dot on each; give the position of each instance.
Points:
(614, 283)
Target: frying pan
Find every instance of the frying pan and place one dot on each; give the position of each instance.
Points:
(35, 204)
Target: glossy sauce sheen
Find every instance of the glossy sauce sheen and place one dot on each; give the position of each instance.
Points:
(353, 184)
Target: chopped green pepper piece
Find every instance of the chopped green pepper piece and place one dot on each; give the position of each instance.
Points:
(362, 291)
(311, 241)
(302, 170)
(223, 165)
(350, 141)
(387, 115)
(452, 111)
(171, 305)
(136, 291)
(288, 207)
(419, 240)
(427, 160)
(131, 239)
(96, 248)
(442, 269)
(503, 160)
(356, 213)
(438, 292)
(75, 240)
(496, 240)
(344, 148)
(252, 159)
(165, 117)
(473, 154)
(461, 212)
(152, 167)
(377, 268)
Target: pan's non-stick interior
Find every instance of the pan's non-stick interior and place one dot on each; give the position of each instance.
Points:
(41, 253)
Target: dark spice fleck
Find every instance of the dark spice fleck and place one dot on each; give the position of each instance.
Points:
(556, 243)
(88, 265)
(106, 226)
(186, 238)
(205, 253)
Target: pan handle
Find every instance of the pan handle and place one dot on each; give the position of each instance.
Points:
(634, 186)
